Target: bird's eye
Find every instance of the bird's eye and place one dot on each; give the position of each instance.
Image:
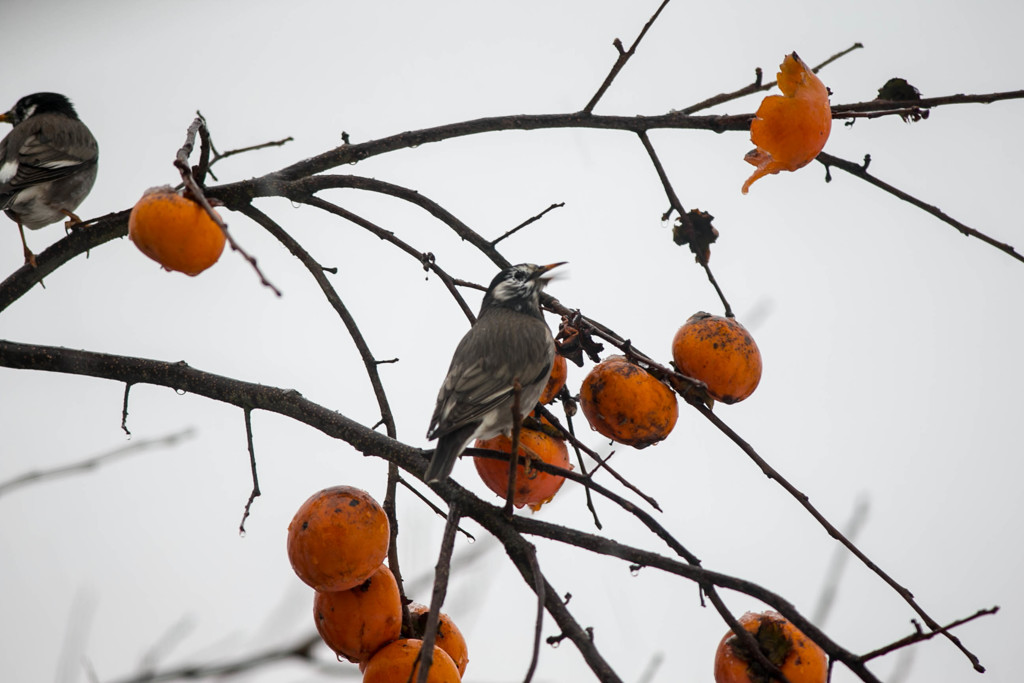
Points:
(518, 275)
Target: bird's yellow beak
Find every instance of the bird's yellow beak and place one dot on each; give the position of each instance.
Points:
(544, 269)
(6, 117)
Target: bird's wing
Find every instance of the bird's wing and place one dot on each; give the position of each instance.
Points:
(40, 151)
(474, 388)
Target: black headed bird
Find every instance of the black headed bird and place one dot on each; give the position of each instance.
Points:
(47, 163)
(509, 342)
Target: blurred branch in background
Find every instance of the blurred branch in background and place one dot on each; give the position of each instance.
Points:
(134, 448)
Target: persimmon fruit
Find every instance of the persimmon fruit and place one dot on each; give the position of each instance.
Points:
(338, 538)
(533, 487)
(357, 622)
(799, 658)
(559, 373)
(175, 231)
(396, 663)
(627, 404)
(719, 352)
(449, 638)
(790, 129)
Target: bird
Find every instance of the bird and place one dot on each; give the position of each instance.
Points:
(509, 342)
(48, 163)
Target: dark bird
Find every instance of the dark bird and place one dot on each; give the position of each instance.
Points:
(47, 163)
(509, 342)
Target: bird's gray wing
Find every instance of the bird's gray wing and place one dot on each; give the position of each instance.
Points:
(40, 151)
(480, 380)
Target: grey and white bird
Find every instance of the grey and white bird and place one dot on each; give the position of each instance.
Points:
(48, 163)
(508, 342)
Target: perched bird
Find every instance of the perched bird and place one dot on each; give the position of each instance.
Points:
(47, 163)
(509, 341)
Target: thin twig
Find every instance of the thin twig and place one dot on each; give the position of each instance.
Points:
(133, 448)
(441, 576)
(673, 199)
(195, 192)
(252, 465)
(920, 635)
(527, 222)
(861, 172)
(539, 589)
(124, 410)
(623, 57)
(758, 85)
(430, 504)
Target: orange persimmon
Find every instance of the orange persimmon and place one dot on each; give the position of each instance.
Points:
(449, 638)
(719, 352)
(799, 658)
(790, 129)
(559, 372)
(394, 663)
(175, 232)
(338, 538)
(627, 404)
(357, 622)
(533, 488)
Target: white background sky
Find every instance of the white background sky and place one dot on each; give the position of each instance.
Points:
(891, 344)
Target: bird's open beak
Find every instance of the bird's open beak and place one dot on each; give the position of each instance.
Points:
(541, 270)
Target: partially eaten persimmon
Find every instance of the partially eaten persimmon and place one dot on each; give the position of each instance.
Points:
(790, 129)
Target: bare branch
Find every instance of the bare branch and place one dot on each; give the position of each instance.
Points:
(861, 172)
(441, 578)
(624, 56)
(252, 466)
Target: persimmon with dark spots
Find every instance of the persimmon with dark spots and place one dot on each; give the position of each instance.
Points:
(449, 638)
(533, 487)
(791, 129)
(338, 538)
(799, 658)
(175, 231)
(397, 662)
(719, 352)
(357, 622)
(559, 373)
(627, 404)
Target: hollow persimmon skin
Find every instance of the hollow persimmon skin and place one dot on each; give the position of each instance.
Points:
(338, 538)
(449, 638)
(533, 488)
(559, 373)
(719, 352)
(625, 403)
(394, 663)
(357, 622)
(175, 232)
(791, 129)
(799, 658)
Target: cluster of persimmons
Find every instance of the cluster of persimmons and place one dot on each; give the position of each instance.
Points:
(338, 540)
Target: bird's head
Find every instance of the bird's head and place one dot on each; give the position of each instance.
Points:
(39, 103)
(518, 287)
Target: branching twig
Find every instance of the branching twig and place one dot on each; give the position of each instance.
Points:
(861, 172)
(623, 57)
(252, 465)
(194, 190)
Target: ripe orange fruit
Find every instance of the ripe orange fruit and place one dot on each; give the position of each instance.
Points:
(393, 663)
(533, 488)
(790, 129)
(559, 372)
(719, 352)
(175, 232)
(449, 637)
(624, 402)
(357, 622)
(338, 538)
(797, 656)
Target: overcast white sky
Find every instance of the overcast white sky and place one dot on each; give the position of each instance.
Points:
(891, 343)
